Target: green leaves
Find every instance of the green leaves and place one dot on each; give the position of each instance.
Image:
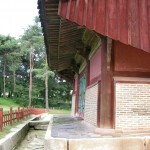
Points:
(15, 55)
(41, 73)
(7, 44)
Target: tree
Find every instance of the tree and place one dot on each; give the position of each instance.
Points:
(7, 46)
(59, 92)
(44, 73)
(24, 72)
(33, 41)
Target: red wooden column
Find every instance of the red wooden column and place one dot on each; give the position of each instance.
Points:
(77, 95)
(74, 93)
(106, 105)
(1, 119)
(88, 73)
(98, 103)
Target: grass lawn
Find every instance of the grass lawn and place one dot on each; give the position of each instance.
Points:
(6, 103)
(59, 111)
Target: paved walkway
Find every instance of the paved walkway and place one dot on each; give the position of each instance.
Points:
(65, 126)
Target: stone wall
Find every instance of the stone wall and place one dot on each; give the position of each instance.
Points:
(91, 96)
(132, 106)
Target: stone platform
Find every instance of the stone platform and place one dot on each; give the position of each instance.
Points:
(71, 128)
(72, 133)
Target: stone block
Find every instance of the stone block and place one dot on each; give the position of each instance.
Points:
(55, 144)
(147, 143)
(107, 144)
(41, 127)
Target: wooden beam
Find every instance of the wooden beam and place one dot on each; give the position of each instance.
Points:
(84, 52)
(74, 67)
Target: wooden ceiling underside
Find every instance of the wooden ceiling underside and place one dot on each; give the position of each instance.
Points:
(61, 38)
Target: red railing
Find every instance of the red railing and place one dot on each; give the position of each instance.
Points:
(37, 111)
(12, 116)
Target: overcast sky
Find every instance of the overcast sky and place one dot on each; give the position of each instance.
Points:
(16, 15)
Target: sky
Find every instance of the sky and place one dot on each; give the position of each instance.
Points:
(16, 15)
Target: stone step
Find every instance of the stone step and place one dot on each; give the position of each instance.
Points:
(39, 122)
(41, 127)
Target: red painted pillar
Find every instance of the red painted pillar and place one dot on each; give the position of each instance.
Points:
(74, 93)
(77, 95)
(74, 86)
(98, 104)
(106, 105)
(1, 119)
(88, 74)
(11, 116)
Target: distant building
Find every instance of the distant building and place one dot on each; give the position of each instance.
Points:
(102, 46)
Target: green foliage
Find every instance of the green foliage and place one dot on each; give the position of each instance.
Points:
(21, 102)
(15, 54)
(7, 44)
(57, 103)
(41, 74)
(61, 90)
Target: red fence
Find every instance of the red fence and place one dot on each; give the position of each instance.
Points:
(37, 111)
(12, 116)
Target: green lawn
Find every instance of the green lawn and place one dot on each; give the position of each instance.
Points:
(59, 111)
(6, 103)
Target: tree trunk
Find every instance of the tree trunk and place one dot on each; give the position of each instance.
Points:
(14, 75)
(31, 68)
(4, 78)
(9, 94)
(46, 85)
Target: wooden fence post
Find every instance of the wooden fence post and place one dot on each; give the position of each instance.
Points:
(18, 114)
(1, 119)
(11, 116)
(28, 113)
(23, 113)
(31, 111)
